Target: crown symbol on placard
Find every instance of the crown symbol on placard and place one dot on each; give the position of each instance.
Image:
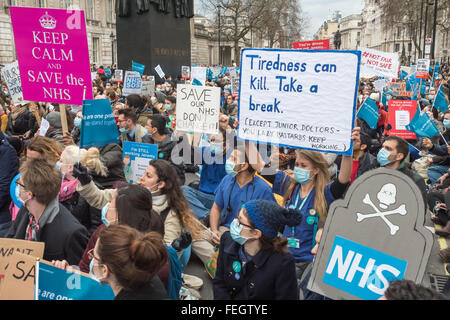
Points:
(47, 21)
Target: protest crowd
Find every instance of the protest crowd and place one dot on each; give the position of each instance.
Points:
(255, 233)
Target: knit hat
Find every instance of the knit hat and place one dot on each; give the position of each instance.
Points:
(270, 218)
(54, 119)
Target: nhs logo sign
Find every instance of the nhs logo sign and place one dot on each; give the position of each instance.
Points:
(360, 270)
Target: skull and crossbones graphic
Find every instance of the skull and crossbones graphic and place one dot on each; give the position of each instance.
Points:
(386, 197)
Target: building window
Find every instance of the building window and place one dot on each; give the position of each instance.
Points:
(409, 47)
(90, 9)
(67, 4)
(397, 47)
(95, 49)
(399, 32)
(110, 12)
(11, 2)
(41, 3)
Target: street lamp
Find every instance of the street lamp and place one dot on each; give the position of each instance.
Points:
(112, 47)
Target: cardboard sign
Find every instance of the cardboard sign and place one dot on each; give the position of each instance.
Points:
(198, 109)
(9, 246)
(199, 74)
(399, 89)
(98, 126)
(283, 93)
(136, 157)
(148, 87)
(378, 63)
(312, 45)
(132, 84)
(160, 72)
(185, 72)
(53, 54)
(400, 114)
(56, 284)
(45, 125)
(118, 75)
(373, 236)
(11, 76)
(423, 68)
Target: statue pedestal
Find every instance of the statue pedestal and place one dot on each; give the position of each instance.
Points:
(153, 38)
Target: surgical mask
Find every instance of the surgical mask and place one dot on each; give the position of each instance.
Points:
(168, 107)
(382, 157)
(18, 197)
(167, 89)
(153, 100)
(104, 212)
(302, 176)
(145, 131)
(159, 89)
(91, 272)
(229, 168)
(430, 96)
(447, 124)
(216, 148)
(58, 166)
(77, 122)
(123, 130)
(235, 231)
(153, 192)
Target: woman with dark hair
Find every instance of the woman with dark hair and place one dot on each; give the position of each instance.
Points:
(135, 102)
(252, 253)
(161, 180)
(128, 261)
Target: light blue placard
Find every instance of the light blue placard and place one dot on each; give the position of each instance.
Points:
(57, 284)
(137, 67)
(136, 157)
(98, 126)
(360, 270)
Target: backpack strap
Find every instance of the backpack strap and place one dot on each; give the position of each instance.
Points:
(165, 213)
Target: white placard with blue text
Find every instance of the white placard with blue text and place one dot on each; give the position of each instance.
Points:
(299, 99)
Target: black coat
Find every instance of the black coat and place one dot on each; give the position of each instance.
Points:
(153, 291)
(269, 276)
(23, 123)
(366, 162)
(9, 164)
(65, 238)
(111, 156)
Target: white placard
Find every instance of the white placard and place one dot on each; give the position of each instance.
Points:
(161, 73)
(402, 119)
(300, 99)
(198, 109)
(199, 74)
(11, 76)
(132, 83)
(378, 63)
(379, 85)
(44, 127)
(148, 87)
(118, 75)
(140, 165)
(93, 75)
(185, 72)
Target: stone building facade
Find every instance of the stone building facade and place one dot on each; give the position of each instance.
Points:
(100, 23)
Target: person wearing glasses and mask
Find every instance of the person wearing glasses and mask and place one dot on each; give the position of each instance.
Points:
(253, 262)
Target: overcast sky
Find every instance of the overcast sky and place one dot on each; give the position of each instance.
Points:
(317, 10)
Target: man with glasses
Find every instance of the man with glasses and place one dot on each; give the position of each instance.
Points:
(42, 218)
(129, 129)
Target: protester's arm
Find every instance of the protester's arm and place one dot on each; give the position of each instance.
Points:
(434, 148)
(214, 221)
(94, 196)
(172, 228)
(347, 163)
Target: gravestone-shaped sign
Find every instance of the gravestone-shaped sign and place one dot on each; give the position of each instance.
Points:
(372, 237)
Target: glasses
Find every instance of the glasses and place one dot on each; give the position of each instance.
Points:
(244, 225)
(91, 255)
(19, 184)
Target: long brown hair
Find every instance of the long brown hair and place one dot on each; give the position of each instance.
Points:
(175, 198)
(321, 180)
(134, 258)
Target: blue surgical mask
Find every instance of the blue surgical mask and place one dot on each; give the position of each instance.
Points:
(216, 148)
(302, 176)
(77, 122)
(123, 130)
(91, 272)
(447, 124)
(58, 166)
(229, 169)
(168, 107)
(235, 231)
(104, 211)
(382, 157)
(145, 131)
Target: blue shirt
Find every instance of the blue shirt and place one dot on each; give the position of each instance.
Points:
(213, 171)
(304, 232)
(230, 194)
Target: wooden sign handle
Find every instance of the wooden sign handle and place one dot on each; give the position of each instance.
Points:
(62, 112)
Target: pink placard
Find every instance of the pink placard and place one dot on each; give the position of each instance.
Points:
(53, 54)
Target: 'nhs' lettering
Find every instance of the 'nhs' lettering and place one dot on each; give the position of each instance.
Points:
(361, 271)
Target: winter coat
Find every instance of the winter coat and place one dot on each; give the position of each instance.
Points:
(268, 276)
(9, 165)
(64, 237)
(111, 157)
(22, 124)
(139, 133)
